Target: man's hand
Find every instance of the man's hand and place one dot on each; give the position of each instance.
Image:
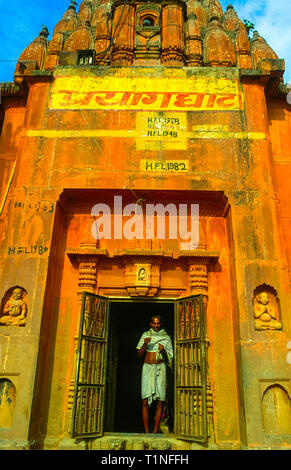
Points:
(147, 340)
(161, 347)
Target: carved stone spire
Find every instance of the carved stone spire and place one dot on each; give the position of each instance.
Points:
(81, 39)
(230, 19)
(260, 50)
(218, 46)
(69, 21)
(55, 47)
(174, 33)
(243, 46)
(195, 7)
(215, 10)
(85, 11)
(36, 52)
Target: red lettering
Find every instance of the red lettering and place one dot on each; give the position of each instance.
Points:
(68, 98)
(182, 100)
(211, 101)
(125, 97)
(87, 98)
(136, 98)
(149, 98)
(185, 100)
(101, 100)
(166, 100)
(222, 100)
(145, 98)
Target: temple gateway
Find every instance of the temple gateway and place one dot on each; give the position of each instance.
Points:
(145, 161)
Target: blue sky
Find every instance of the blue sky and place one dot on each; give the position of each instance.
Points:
(21, 22)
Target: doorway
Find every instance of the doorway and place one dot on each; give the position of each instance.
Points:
(107, 390)
(127, 322)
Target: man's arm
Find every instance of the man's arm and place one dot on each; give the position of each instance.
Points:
(141, 351)
(163, 352)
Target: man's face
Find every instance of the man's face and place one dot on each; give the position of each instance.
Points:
(263, 298)
(17, 293)
(155, 324)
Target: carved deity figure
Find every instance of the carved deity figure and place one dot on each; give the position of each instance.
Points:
(142, 275)
(264, 313)
(15, 309)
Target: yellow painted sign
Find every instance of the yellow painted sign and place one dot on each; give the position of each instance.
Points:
(166, 166)
(170, 93)
(113, 133)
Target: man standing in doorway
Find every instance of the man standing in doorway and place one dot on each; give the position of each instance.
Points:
(156, 347)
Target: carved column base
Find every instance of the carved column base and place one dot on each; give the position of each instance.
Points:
(172, 57)
(198, 279)
(101, 45)
(87, 277)
(194, 60)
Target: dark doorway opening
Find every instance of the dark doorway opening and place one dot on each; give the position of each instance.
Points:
(128, 321)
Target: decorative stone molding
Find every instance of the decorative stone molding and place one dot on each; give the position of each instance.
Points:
(125, 34)
(209, 407)
(142, 279)
(87, 277)
(198, 279)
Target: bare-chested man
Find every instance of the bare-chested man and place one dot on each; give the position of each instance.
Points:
(156, 347)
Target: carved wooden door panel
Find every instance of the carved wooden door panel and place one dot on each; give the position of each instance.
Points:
(190, 369)
(91, 367)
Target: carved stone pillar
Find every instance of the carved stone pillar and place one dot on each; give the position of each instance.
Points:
(172, 35)
(124, 35)
(193, 43)
(100, 21)
(243, 47)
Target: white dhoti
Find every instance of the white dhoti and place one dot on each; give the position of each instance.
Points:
(154, 382)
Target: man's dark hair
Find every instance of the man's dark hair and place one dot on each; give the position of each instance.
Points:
(157, 316)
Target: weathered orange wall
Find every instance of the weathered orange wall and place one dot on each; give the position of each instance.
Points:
(279, 114)
(251, 237)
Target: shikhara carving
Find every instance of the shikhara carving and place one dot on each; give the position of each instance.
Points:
(15, 309)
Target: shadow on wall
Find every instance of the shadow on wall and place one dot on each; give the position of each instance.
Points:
(276, 410)
(7, 402)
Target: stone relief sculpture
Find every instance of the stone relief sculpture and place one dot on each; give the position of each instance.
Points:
(266, 312)
(142, 275)
(15, 309)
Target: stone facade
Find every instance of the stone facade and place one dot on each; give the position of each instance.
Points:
(151, 102)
